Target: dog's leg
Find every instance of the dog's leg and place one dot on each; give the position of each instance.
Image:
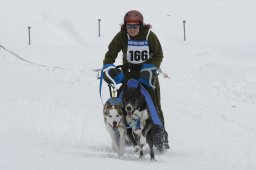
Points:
(130, 136)
(114, 142)
(121, 143)
(138, 147)
(147, 127)
(150, 143)
(141, 154)
(147, 133)
(142, 140)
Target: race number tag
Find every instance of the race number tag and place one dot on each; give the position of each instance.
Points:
(138, 51)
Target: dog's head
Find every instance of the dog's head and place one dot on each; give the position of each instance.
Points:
(113, 113)
(132, 99)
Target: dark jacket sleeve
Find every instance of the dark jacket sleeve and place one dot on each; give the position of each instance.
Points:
(155, 50)
(114, 48)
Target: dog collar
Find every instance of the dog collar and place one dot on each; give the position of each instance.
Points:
(115, 128)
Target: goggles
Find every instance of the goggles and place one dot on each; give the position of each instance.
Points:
(132, 26)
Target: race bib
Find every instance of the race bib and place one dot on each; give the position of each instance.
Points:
(138, 51)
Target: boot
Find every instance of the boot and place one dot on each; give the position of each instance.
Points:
(159, 138)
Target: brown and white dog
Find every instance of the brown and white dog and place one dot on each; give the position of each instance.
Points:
(114, 122)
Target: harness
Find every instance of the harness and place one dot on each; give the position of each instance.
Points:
(151, 107)
(134, 125)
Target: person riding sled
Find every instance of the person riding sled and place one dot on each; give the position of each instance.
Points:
(142, 57)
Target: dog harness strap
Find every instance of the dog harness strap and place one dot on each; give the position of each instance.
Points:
(114, 101)
(101, 77)
(152, 110)
(105, 68)
(135, 124)
(148, 34)
(138, 124)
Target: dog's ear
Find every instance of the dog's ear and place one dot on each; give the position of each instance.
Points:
(105, 110)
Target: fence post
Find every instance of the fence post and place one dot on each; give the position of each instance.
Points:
(184, 29)
(99, 25)
(29, 38)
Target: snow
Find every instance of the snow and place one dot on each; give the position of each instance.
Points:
(50, 109)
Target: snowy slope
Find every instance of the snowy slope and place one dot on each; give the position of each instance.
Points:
(50, 110)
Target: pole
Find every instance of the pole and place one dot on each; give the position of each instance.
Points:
(110, 90)
(29, 39)
(99, 25)
(184, 29)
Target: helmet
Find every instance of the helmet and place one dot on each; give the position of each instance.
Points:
(133, 16)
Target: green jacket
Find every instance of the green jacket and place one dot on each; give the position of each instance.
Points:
(120, 42)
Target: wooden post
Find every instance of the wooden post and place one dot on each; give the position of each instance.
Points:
(99, 25)
(184, 29)
(29, 38)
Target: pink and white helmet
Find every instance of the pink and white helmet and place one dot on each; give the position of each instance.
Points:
(133, 16)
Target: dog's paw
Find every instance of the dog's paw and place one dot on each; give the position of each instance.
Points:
(121, 157)
(142, 157)
(137, 149)
(153, 159)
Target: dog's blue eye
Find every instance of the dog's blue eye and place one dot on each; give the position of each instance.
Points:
(117, 115)
(110, 116)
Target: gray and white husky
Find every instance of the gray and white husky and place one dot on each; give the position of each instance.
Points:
(114, 122)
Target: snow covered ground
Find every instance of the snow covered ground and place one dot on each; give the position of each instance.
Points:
(50, 109)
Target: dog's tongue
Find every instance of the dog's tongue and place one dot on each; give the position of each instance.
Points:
(114, 128)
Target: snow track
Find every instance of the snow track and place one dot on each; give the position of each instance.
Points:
(47, 108)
